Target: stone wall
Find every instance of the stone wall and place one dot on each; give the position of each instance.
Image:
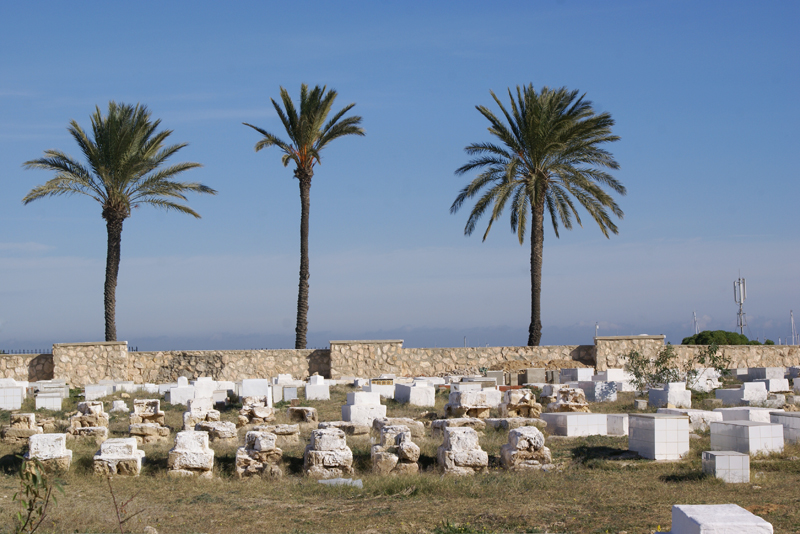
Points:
(30, 367)
(371, 358)
(87, 363)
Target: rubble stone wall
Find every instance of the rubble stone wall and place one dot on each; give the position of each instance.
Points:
(30, 367)
(87, 363)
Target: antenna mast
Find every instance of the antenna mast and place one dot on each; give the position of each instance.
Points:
(739, 296)
(696, 330)
(794, 329)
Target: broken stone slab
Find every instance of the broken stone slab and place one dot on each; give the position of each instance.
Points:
(525, 450)
(119, 406)
(93, 434)
(569, 400)
(118, 456)
(520, 403)
(259, 457)
(350, 429)
(200, 410)
(469, 403)
(146, 433)
(218, 430)
(256, 410)
(460, 453)
(191, 455)
(21, 427)
(417, 428)
(51, 450)
(147, 411)
(302, 414)
(287, 435)
(439, 426)
(396, 453)
(722, 518)
(327, 456)
(505, 424)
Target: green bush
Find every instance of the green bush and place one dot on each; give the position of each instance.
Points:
(717, 337)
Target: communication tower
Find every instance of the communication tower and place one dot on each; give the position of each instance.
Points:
(739, 296)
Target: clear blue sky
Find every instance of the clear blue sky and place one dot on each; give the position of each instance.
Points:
(704, 95)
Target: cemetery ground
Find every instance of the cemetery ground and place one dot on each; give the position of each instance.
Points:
(597, 487)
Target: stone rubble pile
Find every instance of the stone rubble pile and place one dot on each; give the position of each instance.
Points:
(219, 431)
(439, 426)
(199, 410)
(525, 450)
(470, 403)
(259, 457)
(256, 410)
(287, 435)
(417, 427)
(146, 422)
(569, 400)
(520, 403)
(396, 453)
(191, 455)
(461, 453)
(21, 427)
(118, 456)
(90, 423)
(328, 456)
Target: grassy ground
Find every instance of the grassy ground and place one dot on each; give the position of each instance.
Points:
(598, 488)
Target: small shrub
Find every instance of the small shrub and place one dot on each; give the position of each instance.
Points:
(666, 367)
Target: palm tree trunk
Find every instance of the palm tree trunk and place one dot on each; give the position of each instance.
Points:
(302, 292)
(537, 242)
(114, 229)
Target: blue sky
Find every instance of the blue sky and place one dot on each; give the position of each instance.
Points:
(703, 95)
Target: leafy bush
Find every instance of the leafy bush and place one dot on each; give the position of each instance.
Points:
(716, 337)
(666, 367)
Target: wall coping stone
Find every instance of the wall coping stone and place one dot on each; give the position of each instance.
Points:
(89, 343)
(366, 341)
(643, 336)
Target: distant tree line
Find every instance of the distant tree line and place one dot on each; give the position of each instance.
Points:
(721, 337)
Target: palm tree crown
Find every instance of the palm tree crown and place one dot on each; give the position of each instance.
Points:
(549, 155)
(125, 160)
(309, 132)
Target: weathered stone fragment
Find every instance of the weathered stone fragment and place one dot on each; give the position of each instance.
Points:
(259, 456)
(525, 450)
(396, 453)
(287, 435)
(461, 454)
(417, 428)
(118, 456)
(328, 456)
(520, 403)
(439, 425)
(351, 429)
(191, 455)
(569, 400)
(51, 450)
(218, 430)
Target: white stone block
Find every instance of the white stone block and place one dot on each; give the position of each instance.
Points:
(760, 373)
(119, 406)
(775, 384)
(183, 382)
(204, 387)
(730, 466)
(96, 391)
(11, 397)
(181, 395)
(790, 422)
(698, 419)
(355, 398)
(716, 519)
(163, 389)
(316, 380)
(255, 387)
(317, 391)
(748, 437)
(746, 413)
(658, 436)
(415, 395)
(749, 391)
(466, 386)
(579, 374)
(599, 391)
(362, 414)
(48, 401)
(387, 392)
(48, 446)
(617, 424)
(706, 380)
(672, 395)
(576, 423)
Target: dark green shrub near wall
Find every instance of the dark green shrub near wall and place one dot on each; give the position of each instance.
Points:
(721, 337)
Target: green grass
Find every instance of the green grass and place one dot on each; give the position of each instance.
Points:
(598, 487)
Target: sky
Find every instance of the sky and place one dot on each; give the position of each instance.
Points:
(703, 94)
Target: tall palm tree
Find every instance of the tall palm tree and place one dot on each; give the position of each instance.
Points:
(549, 155)
(125, 161)
(308, 135)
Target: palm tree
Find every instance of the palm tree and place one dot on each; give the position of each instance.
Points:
(549, 155)
(124, 168)
(308, 135)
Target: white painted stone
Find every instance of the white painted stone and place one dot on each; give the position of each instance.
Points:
(317, 391)
(775, 384)
(356, 398)
(658, 436)
(387, 392)
(11, 397)
(790, 422)
(576, 423)
(119, 406)
(49, 401)
(96, 391)
(183, 382)
(746, 413)
(191, 455)
(47, 446)
(255, 387)
(672, 395)
(596, 391)
(731, 466)
(362, 414)
(748, 437)
(706, 380)
(580, 374)
(716, 519)
(617, 424)
(316, 380)
(749, 391)
(181, 395)
(698, 419)
(417, 394)
(761, 373)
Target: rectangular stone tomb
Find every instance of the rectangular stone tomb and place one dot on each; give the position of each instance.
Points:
(765, 373)
(416, 395)
(255, 387)
(658, 436)
(289, 393)
(672, 395)
(748, 437)
(730, 466)
(716, 519)
(51, 450)
(580, 374)
(599, 391)
(617, 424)
(383, 386)
(749, 391)
(191, 455)
(791, 425)
(49, 401)
(746, 413)
(11, 397)
(97, 391)
(532, 375)
(317, 389)
(362, 408)
(775, 384)
(576, 423)
(698, 419)
(118, 456)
